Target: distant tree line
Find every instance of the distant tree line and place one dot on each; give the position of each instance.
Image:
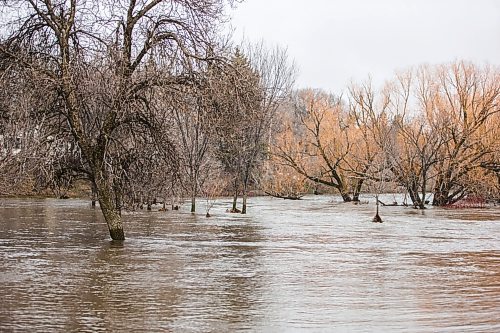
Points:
(433, 132)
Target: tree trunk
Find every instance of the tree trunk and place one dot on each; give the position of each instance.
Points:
(357, 190)
(421, 204)
(440, 198)
(244, 207)
(114, 222)
(235, 196)
(194, 191)
(193, 196)
(444, 193)
(109, 209)
(193, 203)
(235, 200)
(112, 218)
(345, 196)
(245, 189)
(415, 198)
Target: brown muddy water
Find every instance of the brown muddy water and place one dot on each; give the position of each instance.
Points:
(314, 265)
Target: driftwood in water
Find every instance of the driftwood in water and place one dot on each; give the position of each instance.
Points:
(391, 204)
(292, 196)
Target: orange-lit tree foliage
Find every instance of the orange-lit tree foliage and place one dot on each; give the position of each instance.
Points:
(467, 99)
(414, 150)
(319, 144)
(279, 179)
(433, 130)
(366, 132)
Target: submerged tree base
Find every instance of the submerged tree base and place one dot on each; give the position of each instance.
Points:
(377, 219)
(117, 234)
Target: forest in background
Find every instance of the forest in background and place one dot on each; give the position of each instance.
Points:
(147, 101)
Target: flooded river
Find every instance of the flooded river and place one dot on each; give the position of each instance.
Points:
(314, 265)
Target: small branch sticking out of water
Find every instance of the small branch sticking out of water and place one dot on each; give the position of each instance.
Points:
(377, 218)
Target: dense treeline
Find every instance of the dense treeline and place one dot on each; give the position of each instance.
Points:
(432, 132)
(144, 101)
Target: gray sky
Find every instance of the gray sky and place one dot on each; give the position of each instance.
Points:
(336, 41)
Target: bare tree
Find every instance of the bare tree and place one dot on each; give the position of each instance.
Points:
(443, 125)
(276, 78)
(413, 151)
(248, 95)
(367, 135)
(113, 44)
(468, 99)
(193, 135)
(320, 144)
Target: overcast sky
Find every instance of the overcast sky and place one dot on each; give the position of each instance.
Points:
(336, 41)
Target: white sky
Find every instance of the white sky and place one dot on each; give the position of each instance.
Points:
(334, 42)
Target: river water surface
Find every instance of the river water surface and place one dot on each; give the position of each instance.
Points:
(314, 265)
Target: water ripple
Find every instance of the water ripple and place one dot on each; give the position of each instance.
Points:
(313, 265)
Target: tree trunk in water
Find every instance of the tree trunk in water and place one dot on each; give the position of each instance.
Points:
(440, 198)
(345, 196)
(113, 220)
(235, 199)
(244, 208)
(193, 204)
(357, 190)
(415, 198)
(193, 195)
(109, 210)
(444, 193)
(420, 203)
